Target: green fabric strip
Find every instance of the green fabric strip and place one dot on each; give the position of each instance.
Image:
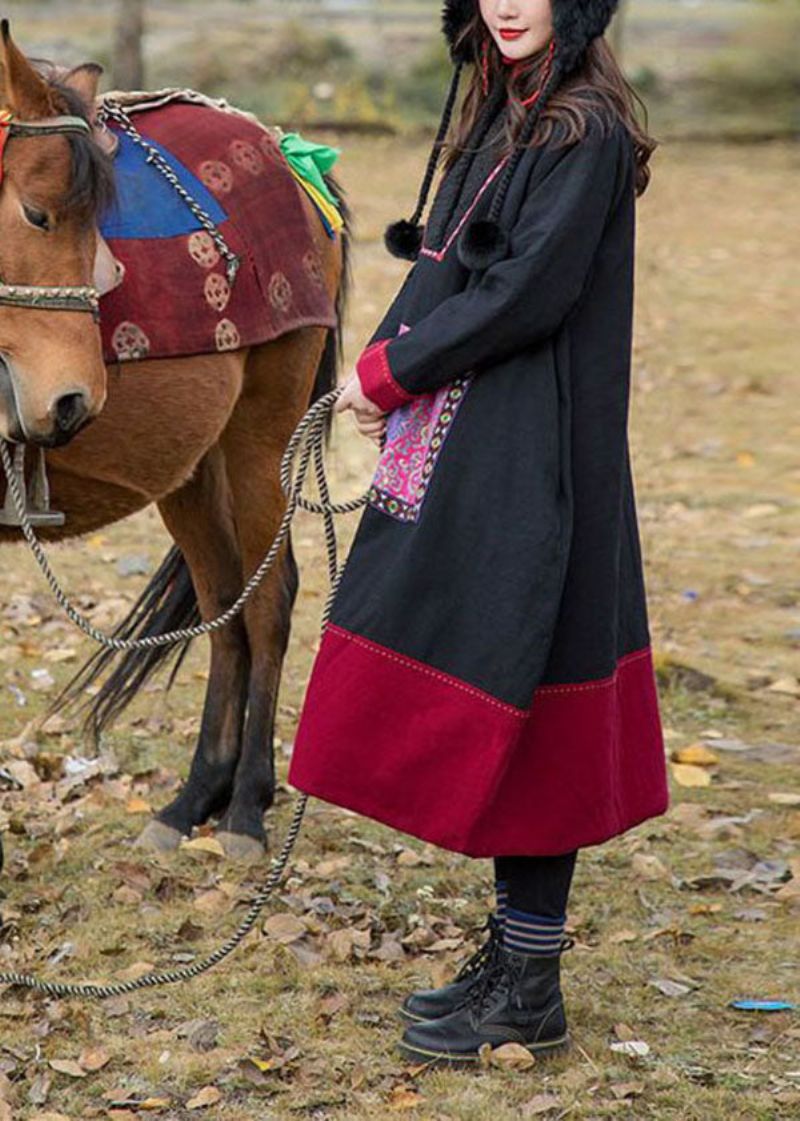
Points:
(310, 161)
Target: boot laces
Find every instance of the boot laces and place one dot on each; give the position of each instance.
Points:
(502, 969)
(485, 953)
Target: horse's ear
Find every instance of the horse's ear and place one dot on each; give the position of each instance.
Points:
(22, 90)
(84, 80)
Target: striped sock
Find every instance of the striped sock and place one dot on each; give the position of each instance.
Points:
(532, 934)
(501, 899)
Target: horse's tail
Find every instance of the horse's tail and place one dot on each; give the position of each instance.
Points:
(168, 603)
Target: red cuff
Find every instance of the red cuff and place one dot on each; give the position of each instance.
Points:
(377, 381)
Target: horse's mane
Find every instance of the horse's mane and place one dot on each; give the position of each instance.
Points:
(92, 186)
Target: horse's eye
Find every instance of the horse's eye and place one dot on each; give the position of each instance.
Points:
(38, 218)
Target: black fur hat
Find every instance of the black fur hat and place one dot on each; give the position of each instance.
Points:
(575, 24)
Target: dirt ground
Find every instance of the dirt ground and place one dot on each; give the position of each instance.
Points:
(672, 921)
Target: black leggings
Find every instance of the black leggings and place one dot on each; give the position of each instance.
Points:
(538, 885)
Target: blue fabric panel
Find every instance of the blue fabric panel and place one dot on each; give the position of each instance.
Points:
(147, 205)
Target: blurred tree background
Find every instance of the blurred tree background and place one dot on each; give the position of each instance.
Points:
(710, 67)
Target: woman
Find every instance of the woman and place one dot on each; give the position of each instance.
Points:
(485, 681)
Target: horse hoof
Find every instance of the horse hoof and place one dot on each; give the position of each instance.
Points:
(158, 837)
(242, 847)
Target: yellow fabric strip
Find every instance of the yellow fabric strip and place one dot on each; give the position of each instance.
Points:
(332, 215)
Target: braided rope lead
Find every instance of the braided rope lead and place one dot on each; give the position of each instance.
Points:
(310, 433)
(310, 429)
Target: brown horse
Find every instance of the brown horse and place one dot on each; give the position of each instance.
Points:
(201, 437)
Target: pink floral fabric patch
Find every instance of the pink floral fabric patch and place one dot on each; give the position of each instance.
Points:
(415, 435)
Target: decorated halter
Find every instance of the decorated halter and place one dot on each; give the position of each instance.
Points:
(45, 298)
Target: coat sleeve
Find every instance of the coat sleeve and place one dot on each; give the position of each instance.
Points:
(521, 301)
(390, 324)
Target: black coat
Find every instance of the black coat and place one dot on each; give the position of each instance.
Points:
(486, 679)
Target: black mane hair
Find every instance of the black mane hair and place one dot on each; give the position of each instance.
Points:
(92, 184)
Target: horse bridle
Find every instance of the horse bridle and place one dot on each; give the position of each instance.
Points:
(46, 297)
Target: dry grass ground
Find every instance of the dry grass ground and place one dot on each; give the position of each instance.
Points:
(704, 901)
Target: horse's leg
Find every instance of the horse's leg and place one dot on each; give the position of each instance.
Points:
(277, 391)
(199, 518)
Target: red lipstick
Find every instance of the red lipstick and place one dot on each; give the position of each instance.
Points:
(511, 33)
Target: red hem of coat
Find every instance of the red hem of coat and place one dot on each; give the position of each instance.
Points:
(401, 742)
(377, 381)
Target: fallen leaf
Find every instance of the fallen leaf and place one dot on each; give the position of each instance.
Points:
(784, 798)
(669, 988)
(542, 1103)
(94, 1058)
(284, 928)
(138, 806)
(203, 845)
(788, 685)
(511, 1056)
(696, 754)
(685, 774)
(624, 1090)
(649, 867)
(636, 1048)
(403, 1098)
(209, 1095)
(135, 971)
(68, 1066)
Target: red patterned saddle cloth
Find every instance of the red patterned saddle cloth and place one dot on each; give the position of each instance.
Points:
(176, 297)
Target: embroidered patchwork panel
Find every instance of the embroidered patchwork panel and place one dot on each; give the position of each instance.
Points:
(415, 436)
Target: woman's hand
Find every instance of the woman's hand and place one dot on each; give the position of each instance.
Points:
(370, 420)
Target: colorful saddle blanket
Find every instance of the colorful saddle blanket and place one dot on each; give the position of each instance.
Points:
(176, 297)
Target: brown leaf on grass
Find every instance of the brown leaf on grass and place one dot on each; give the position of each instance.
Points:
(784, 798)
(625, 1090)
(135, 971)
(511, 1056)
(138, 806)
(696, 754)
(209, 1095)
(623, 936)
(539, 1105)
(40, 1088)
(5, 1111)
(624, 1032)
(68, 1066)
(284, 928)
(340, 944)
(401, 1097)
(48, 1116)
(408, 858)
(687, 775)
(213, 902)
(332, 1004)
(649, 867)
(94, 1059)
(327, 868)
(202, 846)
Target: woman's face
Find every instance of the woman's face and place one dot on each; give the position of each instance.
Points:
(519, 27)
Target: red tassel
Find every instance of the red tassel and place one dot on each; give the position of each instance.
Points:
(546, 69)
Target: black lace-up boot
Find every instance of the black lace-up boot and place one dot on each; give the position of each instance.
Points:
(428, 1004)
(517, 999)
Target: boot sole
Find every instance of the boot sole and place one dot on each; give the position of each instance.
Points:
(454, 1059)
(413, 1018)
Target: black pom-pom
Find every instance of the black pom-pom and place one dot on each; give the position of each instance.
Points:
(404, 239)
(483, 243)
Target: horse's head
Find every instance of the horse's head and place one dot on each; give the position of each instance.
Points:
(53, 181)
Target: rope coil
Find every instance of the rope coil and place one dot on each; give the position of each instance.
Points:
(307, 442)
